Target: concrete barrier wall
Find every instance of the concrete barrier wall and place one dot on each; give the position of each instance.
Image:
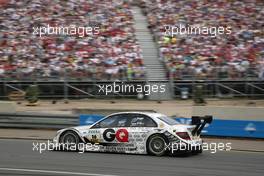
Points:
(232, 112)
(7, 107)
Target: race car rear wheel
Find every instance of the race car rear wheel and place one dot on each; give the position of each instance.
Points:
(70, 139)
(156, 145)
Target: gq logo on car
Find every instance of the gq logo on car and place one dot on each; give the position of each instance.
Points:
(120, 135)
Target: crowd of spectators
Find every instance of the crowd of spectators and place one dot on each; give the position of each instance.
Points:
(236, 55)
(112, 54)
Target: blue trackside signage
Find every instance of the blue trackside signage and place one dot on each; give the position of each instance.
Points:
(86, 119)
(231, 128)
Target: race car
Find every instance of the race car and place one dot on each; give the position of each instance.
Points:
(137, 132)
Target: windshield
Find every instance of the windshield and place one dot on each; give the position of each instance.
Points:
(168, 120)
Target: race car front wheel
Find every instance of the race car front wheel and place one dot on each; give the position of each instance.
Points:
(70, 139)
(157, 145)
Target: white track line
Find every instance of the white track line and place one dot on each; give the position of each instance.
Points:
(52, 172)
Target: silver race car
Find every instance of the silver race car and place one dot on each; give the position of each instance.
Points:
(136, 132)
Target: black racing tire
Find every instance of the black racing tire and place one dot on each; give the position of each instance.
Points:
(197, 152)
(70, 138)
(200, 151)
(156, 145)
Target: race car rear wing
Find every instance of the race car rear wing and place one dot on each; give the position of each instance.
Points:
(200, 122)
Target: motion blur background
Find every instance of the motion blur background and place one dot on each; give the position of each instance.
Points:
(131, 47)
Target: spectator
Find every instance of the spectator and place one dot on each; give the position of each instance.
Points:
(232, 55)
(101, 56)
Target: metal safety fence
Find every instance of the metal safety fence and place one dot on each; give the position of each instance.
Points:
(37, 120)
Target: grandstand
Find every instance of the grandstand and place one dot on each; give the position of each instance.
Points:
(111, 54)
(232, 56)
(70, 66)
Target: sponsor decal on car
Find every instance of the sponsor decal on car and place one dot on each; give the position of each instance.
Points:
(121, 135)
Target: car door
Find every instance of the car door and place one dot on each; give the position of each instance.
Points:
(110, 130)
(139, 127)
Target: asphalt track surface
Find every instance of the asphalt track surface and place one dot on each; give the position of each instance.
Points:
(18, 158)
